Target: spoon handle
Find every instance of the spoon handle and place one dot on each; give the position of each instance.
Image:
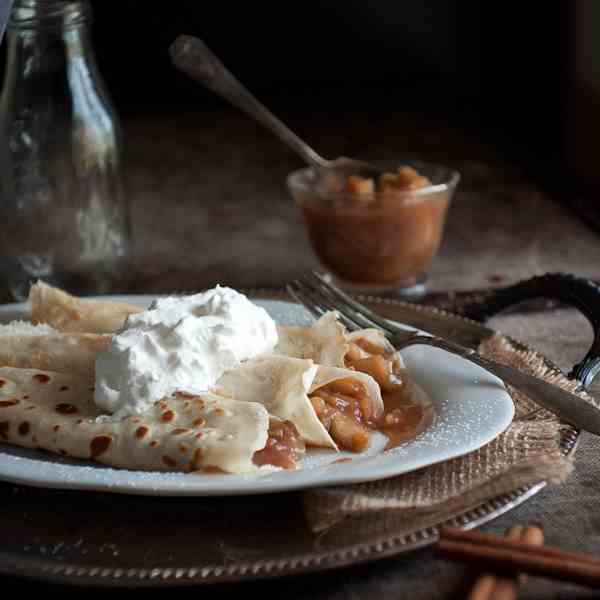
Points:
(192, 56)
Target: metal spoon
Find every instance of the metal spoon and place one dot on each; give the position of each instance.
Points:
(192, 56)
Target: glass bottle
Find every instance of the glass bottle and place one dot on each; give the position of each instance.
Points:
(63, 216)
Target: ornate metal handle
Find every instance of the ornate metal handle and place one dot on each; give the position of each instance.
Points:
(192, 56)
(581, 293)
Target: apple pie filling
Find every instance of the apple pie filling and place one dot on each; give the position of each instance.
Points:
(283, 448)
(346, 410)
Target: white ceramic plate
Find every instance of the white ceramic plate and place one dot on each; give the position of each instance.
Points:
(472, 408)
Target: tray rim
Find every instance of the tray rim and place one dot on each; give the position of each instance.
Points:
(382, 547)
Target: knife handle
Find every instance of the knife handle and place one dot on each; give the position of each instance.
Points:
(578, 292)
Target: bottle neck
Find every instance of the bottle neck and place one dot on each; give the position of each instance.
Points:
(48, 15)
(44, 36)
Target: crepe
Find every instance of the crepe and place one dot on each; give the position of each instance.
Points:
(71, 314)
(324, 341)
(283, 385)
(26, 346)
(56, 412)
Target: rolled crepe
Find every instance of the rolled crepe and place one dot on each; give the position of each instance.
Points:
(71, 314)
(55, 412)
(283, 384)
(324, 342)
(21, 346)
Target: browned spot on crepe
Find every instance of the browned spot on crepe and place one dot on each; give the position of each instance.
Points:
(79, 422)
(219, 412)
(4, 427)
(169, 462)
(56, 428)
(6, 403)
(167, 416)
(26, 397)
(210, 470)
(24, 428)
(99, 445)
(63, 388)
(41, 378)
(153, 444)
(183, 449)
(141, 431)
(66, 409)
(180, 431)
(197, 459)
(200, 422)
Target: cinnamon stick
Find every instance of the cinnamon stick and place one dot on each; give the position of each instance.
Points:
(487, 584)
(495, 553)
(507, 588)
(489, 539)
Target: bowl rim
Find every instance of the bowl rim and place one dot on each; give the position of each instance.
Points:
(299, 180)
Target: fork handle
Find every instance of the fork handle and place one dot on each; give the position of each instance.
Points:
(567, 406)
(581, 293)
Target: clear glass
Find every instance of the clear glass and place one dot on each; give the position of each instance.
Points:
(376, 243)
(63, 212)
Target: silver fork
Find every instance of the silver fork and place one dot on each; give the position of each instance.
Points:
(320, 296)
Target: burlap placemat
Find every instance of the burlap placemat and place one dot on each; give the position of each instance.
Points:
(528, 452)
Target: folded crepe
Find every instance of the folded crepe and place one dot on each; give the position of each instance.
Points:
(26, 346)
(71, 314)
(56, 412)
(283, 384)
(324, 341)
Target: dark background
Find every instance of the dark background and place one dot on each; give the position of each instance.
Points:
(507, 71)
(496, 66)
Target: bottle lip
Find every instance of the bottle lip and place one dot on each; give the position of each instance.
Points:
(49, 14)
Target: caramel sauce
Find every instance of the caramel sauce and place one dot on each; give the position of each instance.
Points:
(416, 420)
(283, 446)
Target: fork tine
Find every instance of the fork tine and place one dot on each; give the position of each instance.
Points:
(325, 298)
(317, 303)
(370, 318)
(299, 296)
(325, 305)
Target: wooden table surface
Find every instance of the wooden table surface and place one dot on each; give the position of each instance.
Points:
(209, 206)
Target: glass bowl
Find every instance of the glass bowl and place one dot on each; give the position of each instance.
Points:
(376, 242)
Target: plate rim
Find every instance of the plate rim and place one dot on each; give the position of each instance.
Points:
(385, 546)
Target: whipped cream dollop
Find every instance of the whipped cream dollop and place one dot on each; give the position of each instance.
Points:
(179, 344)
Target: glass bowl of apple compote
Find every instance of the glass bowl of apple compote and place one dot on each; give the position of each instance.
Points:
(378, 235)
